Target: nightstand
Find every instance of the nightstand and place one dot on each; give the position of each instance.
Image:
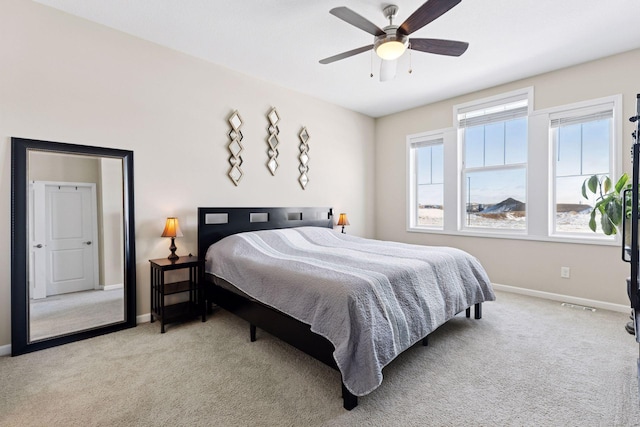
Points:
(190, 289)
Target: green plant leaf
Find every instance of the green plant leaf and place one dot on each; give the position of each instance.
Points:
(622, 182)
(584, 189)
(608, 201)
(620, 209)
(592, 221)
(614, 211)
(593, 183)
(607, 226)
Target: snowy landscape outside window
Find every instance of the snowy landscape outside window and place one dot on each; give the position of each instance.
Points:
(494, 168)
(427, 157)
(582, 145)
(429, 160)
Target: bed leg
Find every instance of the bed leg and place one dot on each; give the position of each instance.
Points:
(425, 341)
(252, 332)
(468, 312)
(478, 311)
(349, 401)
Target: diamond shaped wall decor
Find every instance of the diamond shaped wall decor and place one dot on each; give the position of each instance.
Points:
(273, 141)
(304, 158)
(235, 147)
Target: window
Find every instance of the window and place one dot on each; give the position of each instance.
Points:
(582, 142)
(426, 163)
(494, 163)
(508, 171)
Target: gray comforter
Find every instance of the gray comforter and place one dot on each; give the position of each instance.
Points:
(371, 299)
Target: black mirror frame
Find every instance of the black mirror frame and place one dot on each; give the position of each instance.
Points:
(19, 271)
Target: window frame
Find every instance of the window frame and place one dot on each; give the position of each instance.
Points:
(431, 138)
(525, 94)
(580, 109)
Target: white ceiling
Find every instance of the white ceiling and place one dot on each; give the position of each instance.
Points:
(281, 41)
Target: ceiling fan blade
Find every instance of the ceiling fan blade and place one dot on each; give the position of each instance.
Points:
(439, 46)
(344, 55)
(388, 70)
(426, 13)
(356, 20)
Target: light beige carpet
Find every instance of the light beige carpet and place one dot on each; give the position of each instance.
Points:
(528, 362)
(61, 314)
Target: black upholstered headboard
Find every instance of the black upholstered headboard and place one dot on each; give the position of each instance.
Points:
(217, 223)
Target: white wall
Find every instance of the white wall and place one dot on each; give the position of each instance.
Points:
(69, 80)
(597, 273)
(55, 167)
(111, 208)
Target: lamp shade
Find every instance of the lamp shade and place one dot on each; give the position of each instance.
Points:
(391, 46)
(343, 220)
(172, 228)
(391, 50)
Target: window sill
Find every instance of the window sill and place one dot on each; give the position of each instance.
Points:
(580, 240)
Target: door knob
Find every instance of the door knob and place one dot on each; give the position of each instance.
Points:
(87, 243)
(39, 245)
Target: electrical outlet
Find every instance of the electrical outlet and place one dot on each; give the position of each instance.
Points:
(565, 272)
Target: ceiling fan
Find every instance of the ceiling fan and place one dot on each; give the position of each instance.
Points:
(392, 41)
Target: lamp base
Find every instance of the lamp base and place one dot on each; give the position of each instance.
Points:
(173, 248)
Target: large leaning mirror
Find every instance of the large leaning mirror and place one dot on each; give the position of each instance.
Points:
(72, 248)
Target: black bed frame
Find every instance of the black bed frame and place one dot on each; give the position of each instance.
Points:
(217, 223)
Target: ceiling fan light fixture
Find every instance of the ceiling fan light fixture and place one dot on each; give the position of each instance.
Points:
(392, 41)
(391, 47)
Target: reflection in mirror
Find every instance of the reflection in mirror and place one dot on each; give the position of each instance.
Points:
(72, 246)
(304, 136)
(273, 117)
(235, 120)
(75, 262)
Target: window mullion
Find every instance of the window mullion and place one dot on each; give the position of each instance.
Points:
(484, 146)
(504, 143)
(430, 165)
(581, 150)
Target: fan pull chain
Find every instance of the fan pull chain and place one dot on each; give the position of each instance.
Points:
(371, 75)
(410, 66)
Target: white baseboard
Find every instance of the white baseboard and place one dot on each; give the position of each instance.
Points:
(112, 287)
(5, 350)
(563, 298)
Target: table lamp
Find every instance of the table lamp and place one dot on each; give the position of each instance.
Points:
(343, 220)
(172, 229)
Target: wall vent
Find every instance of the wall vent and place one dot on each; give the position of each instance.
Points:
(578, 306)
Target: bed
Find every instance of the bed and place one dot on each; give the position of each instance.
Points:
(352, 303)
